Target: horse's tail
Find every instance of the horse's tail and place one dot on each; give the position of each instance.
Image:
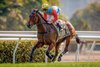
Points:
(78, 40)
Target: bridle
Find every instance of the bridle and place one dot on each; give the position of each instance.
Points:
(40, 21)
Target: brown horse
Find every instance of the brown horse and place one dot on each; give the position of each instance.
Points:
(47, 34)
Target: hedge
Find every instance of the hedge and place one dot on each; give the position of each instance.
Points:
(23, 51)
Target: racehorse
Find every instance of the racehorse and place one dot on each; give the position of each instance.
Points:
(47, 34)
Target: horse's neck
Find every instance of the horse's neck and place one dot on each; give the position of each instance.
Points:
(41, 27)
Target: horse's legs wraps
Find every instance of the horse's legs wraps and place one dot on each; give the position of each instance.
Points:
(48, 50)
(56, 51)
(65, 49)
(38, 44)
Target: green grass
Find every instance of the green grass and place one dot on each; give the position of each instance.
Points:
(56, 64)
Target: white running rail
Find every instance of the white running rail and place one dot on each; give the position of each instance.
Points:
(19, 35)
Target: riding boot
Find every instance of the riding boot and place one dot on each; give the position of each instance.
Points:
(60, 28)
(56, 30)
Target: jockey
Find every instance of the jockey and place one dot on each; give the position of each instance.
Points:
(51, 14)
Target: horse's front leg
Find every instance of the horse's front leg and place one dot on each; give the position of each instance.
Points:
(48, 51)
(56, 51)
(38, 44)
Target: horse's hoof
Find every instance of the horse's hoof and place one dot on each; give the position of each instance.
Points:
(52, 56)
(59, 59)
(53, 60)
(30, 60)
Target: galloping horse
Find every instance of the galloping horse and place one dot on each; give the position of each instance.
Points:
(47, 34)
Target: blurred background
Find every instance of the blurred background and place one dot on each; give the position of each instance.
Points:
(14, 14)
(83, 14)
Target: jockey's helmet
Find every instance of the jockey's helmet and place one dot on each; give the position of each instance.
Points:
(45, 6)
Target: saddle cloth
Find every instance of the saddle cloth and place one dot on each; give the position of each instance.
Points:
(65, 31)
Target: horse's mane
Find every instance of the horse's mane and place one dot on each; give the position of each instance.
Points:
(49, 25)
(41, 16)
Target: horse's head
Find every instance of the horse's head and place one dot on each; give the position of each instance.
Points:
(33, 18)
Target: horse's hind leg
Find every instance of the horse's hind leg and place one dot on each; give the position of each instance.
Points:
(39, 44)
(65, 49)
